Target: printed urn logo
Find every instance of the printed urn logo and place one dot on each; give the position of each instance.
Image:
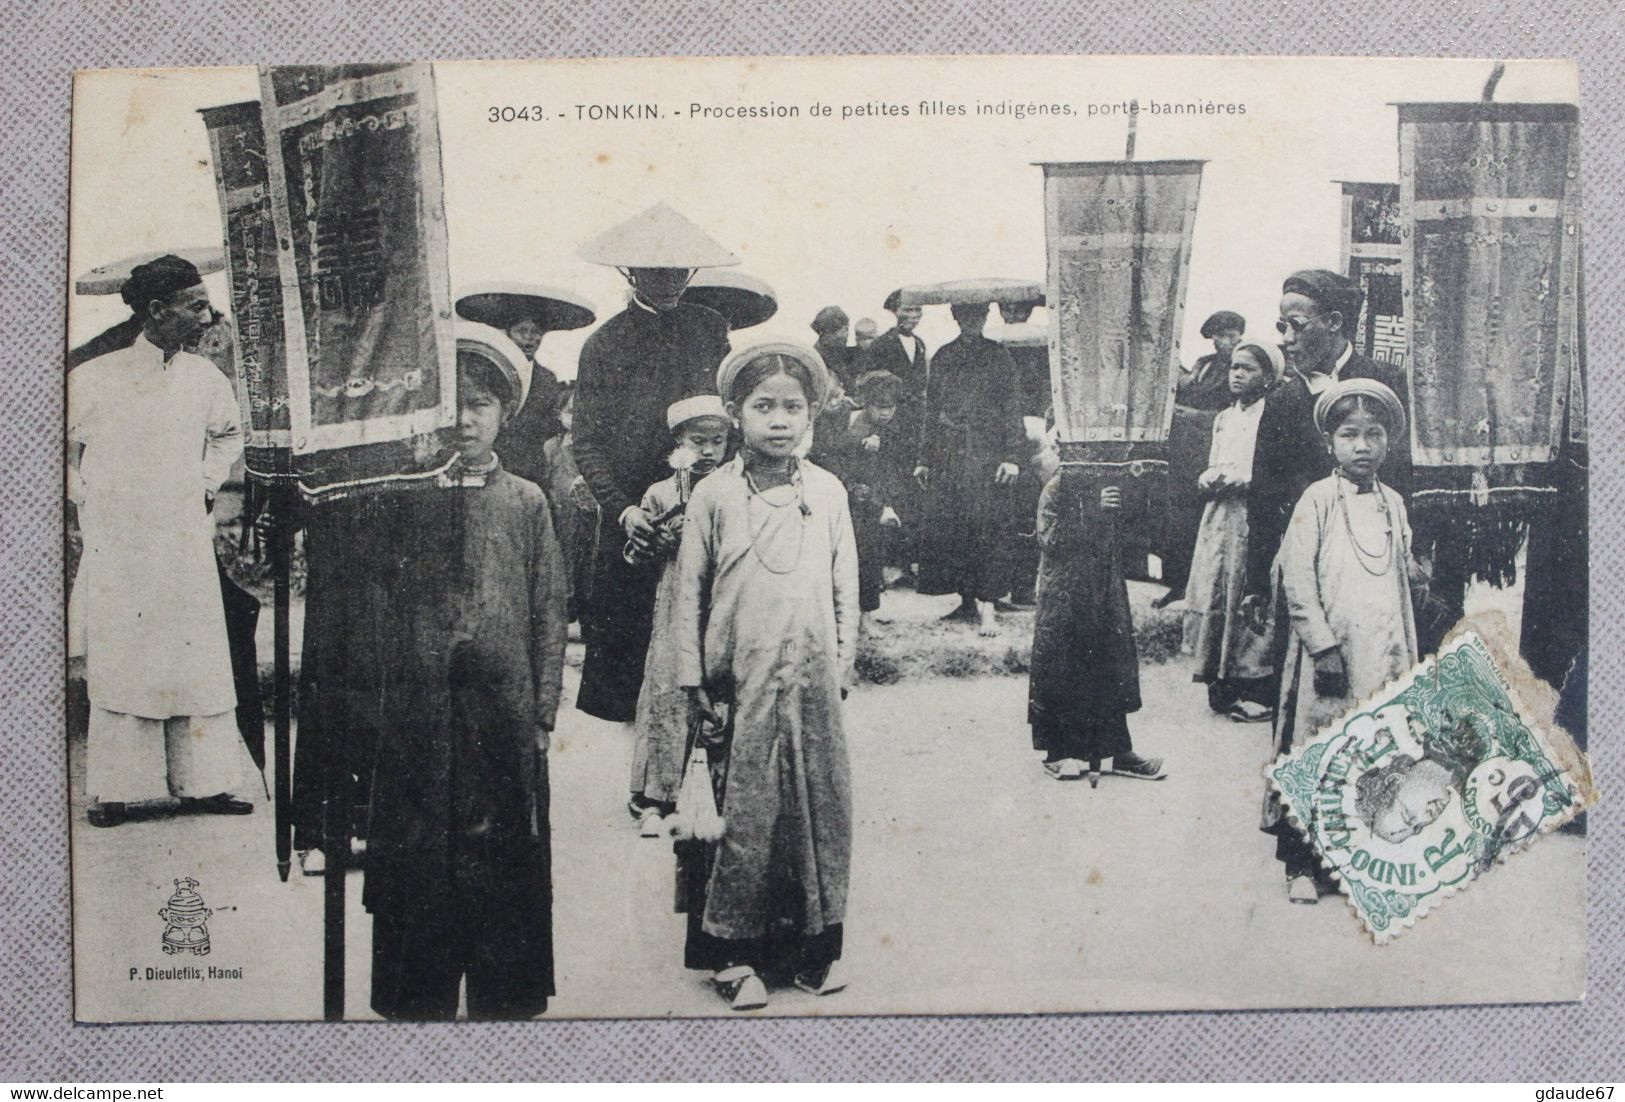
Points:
(186, 927)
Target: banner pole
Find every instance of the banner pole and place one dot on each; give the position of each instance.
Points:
(281, 560)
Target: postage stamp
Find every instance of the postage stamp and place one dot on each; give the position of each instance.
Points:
(1421, 790)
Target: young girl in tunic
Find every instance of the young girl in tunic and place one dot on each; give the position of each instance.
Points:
(458, 877)
(700, 428)
(1346, 573)
(767, 625)
(1232, 659)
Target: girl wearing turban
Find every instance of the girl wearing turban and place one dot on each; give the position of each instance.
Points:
(1345, 570)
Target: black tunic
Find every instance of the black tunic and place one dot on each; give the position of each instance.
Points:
(458, 855)
(973, 424)
(636, 365)
(1085, 677)
(521, 440)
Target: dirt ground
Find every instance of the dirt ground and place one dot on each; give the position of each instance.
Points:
(978, 883)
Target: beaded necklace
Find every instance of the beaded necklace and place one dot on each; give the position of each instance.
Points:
(756, 530)
(1361, 553)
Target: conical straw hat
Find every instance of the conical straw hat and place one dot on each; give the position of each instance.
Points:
(742, 299)
(657, 238)
(504, 305)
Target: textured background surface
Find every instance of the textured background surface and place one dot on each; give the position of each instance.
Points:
(42, 45)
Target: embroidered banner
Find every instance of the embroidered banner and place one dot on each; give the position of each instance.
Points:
(1118, 236)
(1489, 198)
(330, 195)
(1371, 257)
(237, 142)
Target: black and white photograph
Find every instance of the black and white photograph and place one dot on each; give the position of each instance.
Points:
(675, 537)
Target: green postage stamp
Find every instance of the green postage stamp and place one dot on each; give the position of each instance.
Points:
(1422, 789)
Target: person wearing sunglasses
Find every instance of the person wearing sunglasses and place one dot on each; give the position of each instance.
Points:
(1319, 314)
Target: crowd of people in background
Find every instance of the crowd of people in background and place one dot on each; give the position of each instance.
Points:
(722, 522)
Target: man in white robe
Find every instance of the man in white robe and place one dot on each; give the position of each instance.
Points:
(152, 433)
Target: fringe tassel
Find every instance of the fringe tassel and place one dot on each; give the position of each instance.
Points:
(697, 815)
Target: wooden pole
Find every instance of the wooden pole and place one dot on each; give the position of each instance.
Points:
(336, 846)
(1133, 128)
(282, 522)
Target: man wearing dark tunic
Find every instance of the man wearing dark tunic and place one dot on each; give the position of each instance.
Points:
(657, 351)
(1201, 393)
(971, 450)
(831, 324)
(1319, 312)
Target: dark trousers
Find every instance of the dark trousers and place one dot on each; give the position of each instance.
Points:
(1086, 738)
(417, 978)
(1226, 692)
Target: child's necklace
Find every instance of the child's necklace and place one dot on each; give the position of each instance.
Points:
(756, 530)
(1385, 555)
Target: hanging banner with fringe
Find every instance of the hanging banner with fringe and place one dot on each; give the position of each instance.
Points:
(1371, 258)
(1118, 236)
(237, 144)
(1489, 199)
(330, 192)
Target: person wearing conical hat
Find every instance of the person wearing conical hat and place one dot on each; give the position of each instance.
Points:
(526, 314)
(971, 449)
(459, 848)
(657, 351)
(153, 432)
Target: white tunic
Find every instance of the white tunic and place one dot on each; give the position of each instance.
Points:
(156, 438)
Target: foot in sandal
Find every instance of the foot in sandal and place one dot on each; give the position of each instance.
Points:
(823, 981)
(1131, 764)
(1301, 889)
(741, 987)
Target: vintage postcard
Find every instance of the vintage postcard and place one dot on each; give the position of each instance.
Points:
(825, 536)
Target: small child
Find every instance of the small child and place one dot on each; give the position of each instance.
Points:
(1346, 574)
(767, 624)
(700, 428)
(1232, 659)
(1085, 677)
(458, 877)
(868, 456)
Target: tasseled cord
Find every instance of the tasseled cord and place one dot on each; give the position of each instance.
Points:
(697, 815)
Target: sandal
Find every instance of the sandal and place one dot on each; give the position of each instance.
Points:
(742, 987)
(825, 981)
(1250, 711)
(651, 824)
(1066, 769)
(1132, 765)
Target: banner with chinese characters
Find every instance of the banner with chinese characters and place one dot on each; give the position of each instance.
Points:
(1118, 236)
(1371, 257)
(237, 143)
(330, 196)
(1490, 206)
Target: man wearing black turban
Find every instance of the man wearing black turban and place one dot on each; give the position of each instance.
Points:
(148, 427)
(1320, 311)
